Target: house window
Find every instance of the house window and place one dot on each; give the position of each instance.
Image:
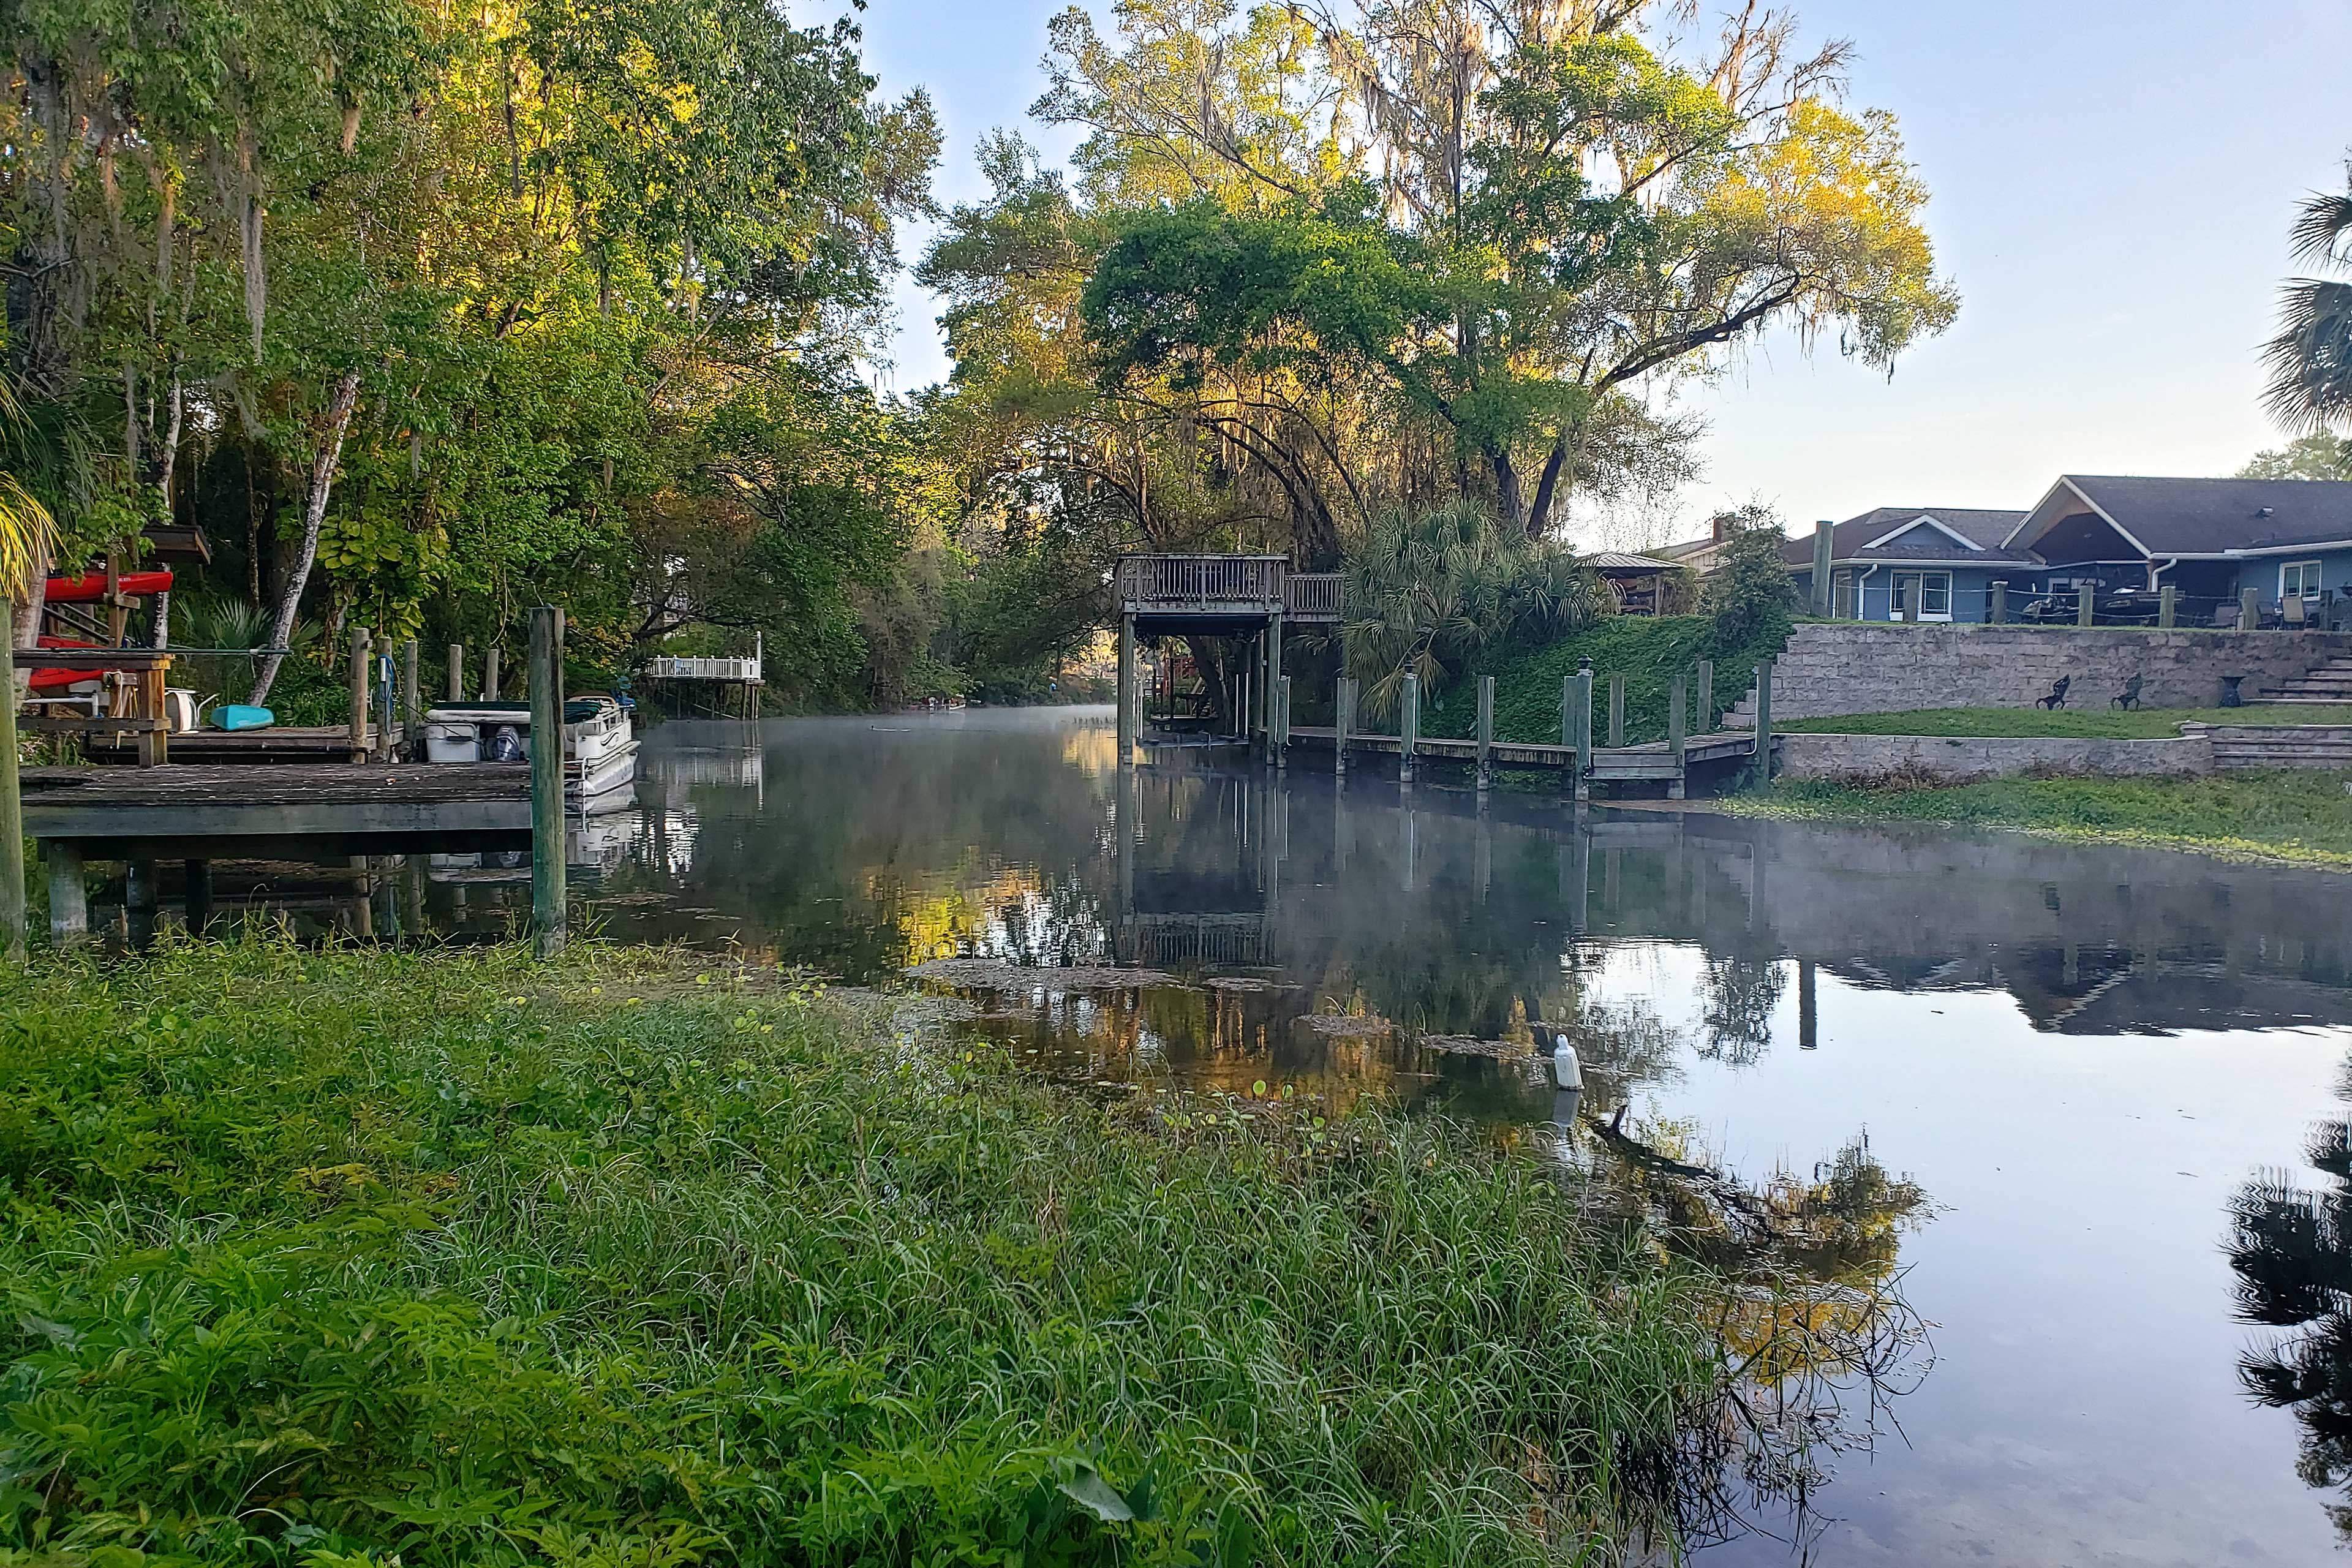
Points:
(2299, 580)
(1842, 595)
(1932, 590)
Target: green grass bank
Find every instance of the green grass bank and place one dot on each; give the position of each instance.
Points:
(339, 1256)
(1649, 652)
(2138, 724)
(2300, 817)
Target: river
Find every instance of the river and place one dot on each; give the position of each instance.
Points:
(2079, 1111)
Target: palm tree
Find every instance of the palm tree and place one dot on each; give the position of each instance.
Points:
(29, 535)
(2310, 361)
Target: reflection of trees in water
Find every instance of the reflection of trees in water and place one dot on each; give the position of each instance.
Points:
(2291, 1248)
(1741, 994)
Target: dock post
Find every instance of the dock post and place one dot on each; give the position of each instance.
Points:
(1274, 678)
(1764, 723)
(1343, 719)
(1997, 602)
(11, 807)
(1808, 1008)
(200, 896)
(1678, 723)
(1126, 690)
(2250, 609)
(1282, 732)
(68, 899)
(2167, 605)
(1823, 533)
(457, 672)
(1706, 713)
(547, 893)
(361, 650)
(1410, 731)
(412, 700)
(1486, 731)
(490, 673)
(2085, 604)
(1616, 711)
(1580, 708)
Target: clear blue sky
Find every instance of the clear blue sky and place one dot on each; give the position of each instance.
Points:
(2113, 182)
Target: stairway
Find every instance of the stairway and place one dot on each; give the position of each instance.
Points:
(2331, 682)
(2323, 746)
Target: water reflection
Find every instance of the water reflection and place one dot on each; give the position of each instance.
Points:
(2291, 1247)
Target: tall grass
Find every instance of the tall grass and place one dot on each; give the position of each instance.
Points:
(321, 1256)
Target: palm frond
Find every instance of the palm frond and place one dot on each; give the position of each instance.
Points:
(2323, 229)
(28, 537)
(2310, 360)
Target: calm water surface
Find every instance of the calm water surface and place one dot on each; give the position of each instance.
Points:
(2080, 1107)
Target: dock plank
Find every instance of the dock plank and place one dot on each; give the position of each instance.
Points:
(321, 804)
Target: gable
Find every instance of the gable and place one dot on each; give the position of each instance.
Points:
(2083, 535)
(1924, 532)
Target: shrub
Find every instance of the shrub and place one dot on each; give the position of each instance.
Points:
(1749, 596)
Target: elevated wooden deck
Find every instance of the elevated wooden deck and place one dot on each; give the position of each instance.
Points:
(1218, 595)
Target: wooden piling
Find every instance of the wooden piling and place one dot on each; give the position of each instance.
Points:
(490, 673)
(362, 649)
(1409, 735)
(1677, 721)
(1282, 732)
(1997, 602)
(1705, 714)
(1343, 719)
(1273, 671)
(1581, 712)
(1486, 731)
(412, 700)
(199, 876)
(1616, 711)
(2085, 603)
(2250, 609)
(1823, 533)
(2167, 605)
(1126, 721)
(11, 807)
(68, 899)
(1763, 771)
(457, 672)
(547, 890)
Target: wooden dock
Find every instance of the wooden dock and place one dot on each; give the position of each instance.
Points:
(1654, 761)
(120, 813)
(286, 743)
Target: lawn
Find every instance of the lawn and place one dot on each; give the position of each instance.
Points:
(2148, 723)
(1648, 652)
(2304, 816)
(347, 1257)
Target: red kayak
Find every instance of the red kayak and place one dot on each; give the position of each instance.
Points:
(90, 587)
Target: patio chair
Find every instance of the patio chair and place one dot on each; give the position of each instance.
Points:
(2057, 697)
(2128, 697)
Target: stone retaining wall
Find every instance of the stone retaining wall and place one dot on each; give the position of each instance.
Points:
(1851, 667)
(1867, 759)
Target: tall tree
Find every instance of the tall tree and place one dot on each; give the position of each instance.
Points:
(2310, 360)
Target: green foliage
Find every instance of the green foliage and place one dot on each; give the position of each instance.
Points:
(330, 1255)
(1749, 595)
(2319, 457)
(1648, 652)
(1433, 594)
(2310, 360)
(2304, 816)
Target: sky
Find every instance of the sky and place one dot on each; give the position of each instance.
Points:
(2112, 184)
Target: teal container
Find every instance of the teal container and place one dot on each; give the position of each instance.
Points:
(241, 716)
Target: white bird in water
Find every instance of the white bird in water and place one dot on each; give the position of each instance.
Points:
(1567, 1071)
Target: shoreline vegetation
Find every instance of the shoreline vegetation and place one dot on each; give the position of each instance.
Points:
(341, 1257)
(2302, 818)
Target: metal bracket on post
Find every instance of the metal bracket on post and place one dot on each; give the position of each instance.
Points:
(547, 869)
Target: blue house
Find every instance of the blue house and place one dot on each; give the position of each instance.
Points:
(2210, 539)
(1945, 558)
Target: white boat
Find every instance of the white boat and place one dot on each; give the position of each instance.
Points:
(600, 746)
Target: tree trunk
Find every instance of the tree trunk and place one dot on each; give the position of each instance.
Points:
(314, 513)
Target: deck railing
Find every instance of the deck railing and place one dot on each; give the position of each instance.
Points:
(1203, 579)
(1312, 594)
(673, 667)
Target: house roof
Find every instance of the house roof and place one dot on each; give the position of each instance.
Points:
(2198, 517)
(1900, 533)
